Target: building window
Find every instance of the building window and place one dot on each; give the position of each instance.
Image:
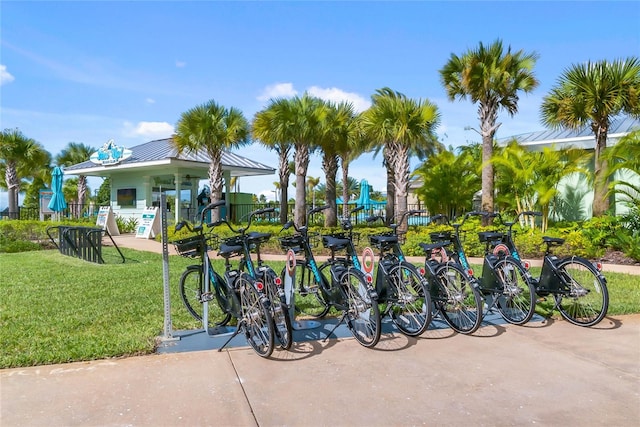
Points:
(127, 197)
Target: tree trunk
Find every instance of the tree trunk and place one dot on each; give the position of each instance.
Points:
(600, 182)
(283, 170)
(82, 193)
(301, 158)
(488, 114)
(402, 185)
(215, 181)
(330, 167)
(345, 187)
(391, 189)
(13, 188)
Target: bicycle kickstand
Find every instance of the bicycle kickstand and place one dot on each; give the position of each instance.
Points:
(236, 332)
(344, 315)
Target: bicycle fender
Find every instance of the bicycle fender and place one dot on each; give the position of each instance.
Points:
(587, 262)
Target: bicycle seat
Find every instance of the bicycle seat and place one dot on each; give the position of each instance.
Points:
(230, 247)
(427, 247)
(382, 239)
(256, 237)
(335, 243)
(553, 241)
(489, 236)
(440, 236)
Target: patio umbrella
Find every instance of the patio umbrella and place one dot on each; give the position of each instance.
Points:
(57, 203)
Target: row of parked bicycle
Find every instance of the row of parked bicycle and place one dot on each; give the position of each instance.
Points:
(266, 304)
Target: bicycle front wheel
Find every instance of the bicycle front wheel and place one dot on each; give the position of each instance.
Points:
(308, 299)
(256, 318)
(457, 299)
(587, 300)
(193, 296)
(410, 300)
(363, 314)
(279, 310)
(517, 299)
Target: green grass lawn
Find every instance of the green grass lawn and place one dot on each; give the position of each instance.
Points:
(56, 309)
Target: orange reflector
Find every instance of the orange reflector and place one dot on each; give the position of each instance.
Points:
(599, 266)
(260, 286)
(526, 265)
(278, 281)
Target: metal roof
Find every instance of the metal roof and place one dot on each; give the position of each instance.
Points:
(582, 138)
(162, 151)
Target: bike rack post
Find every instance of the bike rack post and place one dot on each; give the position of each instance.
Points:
(168, 326)
(289, 280)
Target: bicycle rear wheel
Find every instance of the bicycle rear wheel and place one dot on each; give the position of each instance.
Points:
(256, 318)
(457, 299)
(410, 300)
(279, 310)
(192, 294)
(363, 314)
(517, 299)
(587, 300)
(309, 301)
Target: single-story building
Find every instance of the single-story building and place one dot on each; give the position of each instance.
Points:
(140, 174)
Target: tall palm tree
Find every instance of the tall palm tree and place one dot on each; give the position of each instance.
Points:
(20, 157)
(403, 126)
(337, 142)
(212, 128)
(269, 127)
(593, 94)
(76, 153)
(491, 78)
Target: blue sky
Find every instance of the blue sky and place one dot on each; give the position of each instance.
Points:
(93, 71)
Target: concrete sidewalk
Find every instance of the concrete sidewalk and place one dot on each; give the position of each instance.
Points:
(550, 374)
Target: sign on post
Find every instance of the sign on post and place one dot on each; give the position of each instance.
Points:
(149, 225)
(107, 221)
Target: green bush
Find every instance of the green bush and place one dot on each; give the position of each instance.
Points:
(18, 246)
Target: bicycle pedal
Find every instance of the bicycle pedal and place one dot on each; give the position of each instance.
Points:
(539, 300)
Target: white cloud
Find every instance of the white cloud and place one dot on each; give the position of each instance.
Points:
(338, 95)
(181, 64)
(150, 129)
(150, 101)
(5, 76)
(278, 90)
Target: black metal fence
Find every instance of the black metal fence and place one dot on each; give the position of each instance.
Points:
(72, 211)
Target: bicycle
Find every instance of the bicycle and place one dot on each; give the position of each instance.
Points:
(454, 290)
(243, 245)
(346, 289)
(400, 288)
(577, 285)
(237, 293)
(504, 283)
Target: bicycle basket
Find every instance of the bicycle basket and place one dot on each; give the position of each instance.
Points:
(190, 247)
(291, 242)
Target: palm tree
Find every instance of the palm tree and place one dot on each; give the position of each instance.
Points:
(403, 126)
(624, 159)
(73, 154)
(337, 142)
(212, 128)
(593, 94)
(536, 175)
(20, 157)
(270, 129)
(491, 78)
(443, 172)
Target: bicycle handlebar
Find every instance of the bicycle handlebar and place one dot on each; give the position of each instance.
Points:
(199, 227)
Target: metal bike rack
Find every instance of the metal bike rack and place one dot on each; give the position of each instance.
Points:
(81, 242)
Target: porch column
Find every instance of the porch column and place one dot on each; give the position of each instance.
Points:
(227, 197)
(146, 184)
(178, 182)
